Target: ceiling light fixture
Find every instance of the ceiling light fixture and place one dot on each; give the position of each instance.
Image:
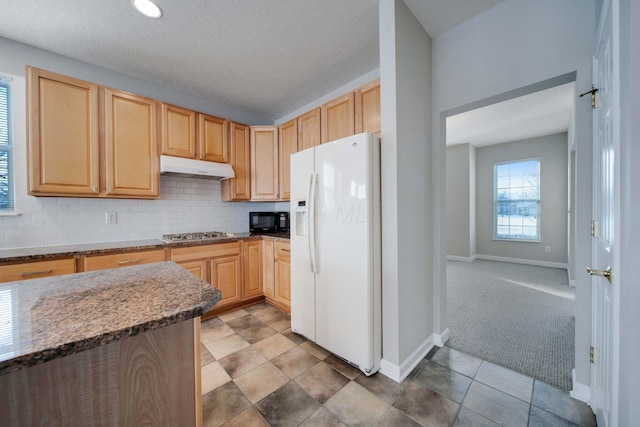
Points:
(147, 8)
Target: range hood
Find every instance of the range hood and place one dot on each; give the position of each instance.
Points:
(170, 165)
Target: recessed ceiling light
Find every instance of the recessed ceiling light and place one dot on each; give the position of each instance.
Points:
(147, 8)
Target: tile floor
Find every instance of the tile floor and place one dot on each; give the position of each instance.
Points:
(256, 372)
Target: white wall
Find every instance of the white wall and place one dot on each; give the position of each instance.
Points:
(187, 204)
(460, 210)
(515, 44)
(405, 70)
(629, 410)
(551, 150)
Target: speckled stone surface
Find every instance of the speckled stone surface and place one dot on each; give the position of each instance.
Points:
(57, 316)
(8, 256)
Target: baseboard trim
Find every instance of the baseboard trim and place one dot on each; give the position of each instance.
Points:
(580, 392)
(461, 258)
(441, 339)
(399, 372)
(523, 261)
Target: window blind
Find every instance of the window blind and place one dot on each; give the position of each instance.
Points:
(6, 184)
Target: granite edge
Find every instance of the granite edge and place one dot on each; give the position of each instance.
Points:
(66, 349)
(127, 246)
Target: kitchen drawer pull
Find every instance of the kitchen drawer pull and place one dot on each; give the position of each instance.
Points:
(131, 261)
(285, 250)
(33, 273)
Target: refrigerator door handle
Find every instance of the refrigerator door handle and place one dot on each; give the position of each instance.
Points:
(311, 223)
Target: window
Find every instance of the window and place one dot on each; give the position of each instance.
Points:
(517, 200)
(6, 184)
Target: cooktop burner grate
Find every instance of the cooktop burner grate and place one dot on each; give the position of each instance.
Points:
(207, 235)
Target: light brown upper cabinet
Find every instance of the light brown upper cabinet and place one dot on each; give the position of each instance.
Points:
(63, 135)
(69, 154)
(131, 148)
(212, 138)
(309, 129)
(338, 118)
(178, 131)
(238, 188)
(367, 100)
(264, 163)
(287, 145)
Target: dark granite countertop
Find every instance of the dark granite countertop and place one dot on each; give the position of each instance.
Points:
(57, 316)
(87, 249)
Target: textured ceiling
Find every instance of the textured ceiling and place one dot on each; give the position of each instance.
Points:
(541, 113)
(438, 16)
(263, 57)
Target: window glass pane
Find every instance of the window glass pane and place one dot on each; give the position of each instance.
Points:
(6, 186)
(517, 200)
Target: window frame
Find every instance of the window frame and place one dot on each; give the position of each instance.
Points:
(504, 238)
(5, 81)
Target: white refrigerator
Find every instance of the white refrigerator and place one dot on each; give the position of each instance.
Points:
(335, 248)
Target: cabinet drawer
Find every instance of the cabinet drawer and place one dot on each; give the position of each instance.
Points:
(205, 251)
(102, 262)
(34, 270)
(283, 250)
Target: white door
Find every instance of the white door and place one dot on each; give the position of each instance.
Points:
(606, 139)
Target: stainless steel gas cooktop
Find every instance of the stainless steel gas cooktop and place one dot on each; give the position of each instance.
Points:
(185, 237)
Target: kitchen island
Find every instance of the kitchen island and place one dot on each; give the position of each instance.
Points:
(110, 347)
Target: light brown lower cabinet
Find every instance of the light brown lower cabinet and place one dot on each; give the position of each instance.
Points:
(268, 266)
(37, 269)
(252, 268)
(226, 275)
(102, 262)
(276, 278)
(220, 265)
(282, 276)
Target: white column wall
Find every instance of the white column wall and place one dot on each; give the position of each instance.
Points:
(405, 74)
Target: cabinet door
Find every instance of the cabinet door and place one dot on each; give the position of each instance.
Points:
(288, 144)
(226, 275)
(338, 118)
(63, 147)
(367, 100)
(283, 281)
(309, 129)
(264, 163)
(238, 188)
(268, 266)
(283, 274)
(37, 269)
(212, 138)
(178, 131)
(253, 269)
(197, 268)
(131, 153)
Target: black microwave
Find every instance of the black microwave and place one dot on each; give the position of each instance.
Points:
(268, 222)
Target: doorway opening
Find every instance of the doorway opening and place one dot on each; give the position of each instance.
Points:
(510, 229)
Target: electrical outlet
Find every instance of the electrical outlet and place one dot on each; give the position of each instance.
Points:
(111, 218)
(547, 249)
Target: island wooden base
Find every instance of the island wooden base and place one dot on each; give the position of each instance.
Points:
(149, 379)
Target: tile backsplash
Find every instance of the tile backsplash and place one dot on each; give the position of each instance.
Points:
(187, 205)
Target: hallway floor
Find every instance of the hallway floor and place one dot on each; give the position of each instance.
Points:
(256, 372)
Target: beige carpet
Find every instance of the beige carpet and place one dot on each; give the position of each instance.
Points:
(517, 316)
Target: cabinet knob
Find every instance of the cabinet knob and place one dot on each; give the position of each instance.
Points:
(94, 189)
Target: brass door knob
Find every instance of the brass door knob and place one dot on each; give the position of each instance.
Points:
(604, 273)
